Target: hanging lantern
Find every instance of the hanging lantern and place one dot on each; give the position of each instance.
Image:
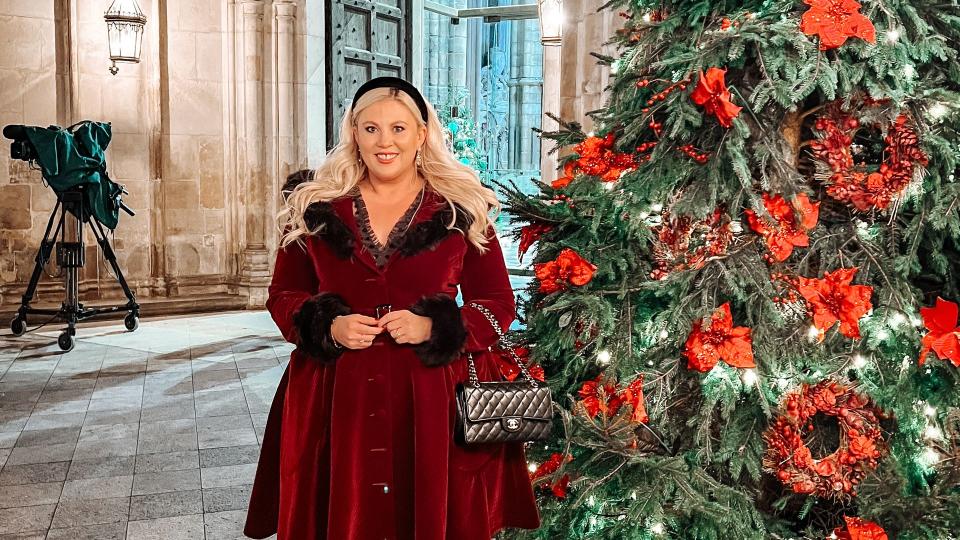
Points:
(551, 21)
(125, 24)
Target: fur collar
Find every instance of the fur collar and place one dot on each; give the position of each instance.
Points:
(422, 236)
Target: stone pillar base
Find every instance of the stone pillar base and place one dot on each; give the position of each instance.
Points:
(255, 276)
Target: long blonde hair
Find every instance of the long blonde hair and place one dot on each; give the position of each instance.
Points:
(343, 169)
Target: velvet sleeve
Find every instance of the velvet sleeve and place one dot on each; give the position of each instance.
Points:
(302, 312)
(454, 329)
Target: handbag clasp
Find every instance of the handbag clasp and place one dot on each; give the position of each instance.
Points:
(511, 423)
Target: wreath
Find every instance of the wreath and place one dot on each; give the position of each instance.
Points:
(860, 445)
(857, 184)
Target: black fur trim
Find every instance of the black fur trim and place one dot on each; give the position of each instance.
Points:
(447, 334)
(294, 180)
(313, 322)
(428, 234)
(335, 232)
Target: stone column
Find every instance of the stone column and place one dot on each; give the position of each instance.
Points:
(255, 264)
(285, 13)
(550, 102)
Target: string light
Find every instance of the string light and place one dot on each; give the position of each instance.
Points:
(656, 207)
(656, 528)
(930, 456)
(937, 111)
(882, 334)
(897, 319)
(933, 432)
(749, 377)
(909, 71)
(603, 357)
(615, 67)
(859, 361)
(893, 35)
(664, 334)
(532, 466)
(647, 18)
(609, 186)
(929, 411)
(813, 333)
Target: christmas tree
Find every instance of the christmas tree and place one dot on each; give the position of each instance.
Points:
(747, 278)
(460, 131)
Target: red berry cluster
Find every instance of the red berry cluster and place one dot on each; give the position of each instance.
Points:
(788, 284)
(690, 150)
(835, 475)
(661, 95)
(682, 244)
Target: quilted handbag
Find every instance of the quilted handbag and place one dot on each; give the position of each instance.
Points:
(501, 411)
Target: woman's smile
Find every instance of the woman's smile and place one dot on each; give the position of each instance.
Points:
(386, 157)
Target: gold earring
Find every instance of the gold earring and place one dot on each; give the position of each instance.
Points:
(419, 159)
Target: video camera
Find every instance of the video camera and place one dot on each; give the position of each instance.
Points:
(72, 158)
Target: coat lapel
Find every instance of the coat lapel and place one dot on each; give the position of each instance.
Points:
(341, 232)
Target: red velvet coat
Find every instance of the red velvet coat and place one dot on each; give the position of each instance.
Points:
(359, 443)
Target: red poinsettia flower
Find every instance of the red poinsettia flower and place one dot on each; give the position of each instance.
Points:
(530, 234)
(568, 268)
(509, 369)
(944, 332)
(569, 172)
(550, 466)
(858, 529)
(721, 341)
(711, 93)
(596, 157)
(835, 21)
(833, 299)
(788, 231)
(600, 395)
(633, 396)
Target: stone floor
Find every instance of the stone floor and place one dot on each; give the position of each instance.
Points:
(147, 435)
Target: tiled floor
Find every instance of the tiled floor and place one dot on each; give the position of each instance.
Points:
(147, 435)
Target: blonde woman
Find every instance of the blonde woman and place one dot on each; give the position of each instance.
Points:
(359, 443)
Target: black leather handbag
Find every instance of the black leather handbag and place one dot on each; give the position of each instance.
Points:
(501, 411)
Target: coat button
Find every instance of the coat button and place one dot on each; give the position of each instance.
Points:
(386, 489)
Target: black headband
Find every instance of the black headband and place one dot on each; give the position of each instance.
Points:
(393, 82)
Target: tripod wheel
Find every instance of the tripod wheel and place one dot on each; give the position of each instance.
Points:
(131, 322)
(18, 326)
(65, 341)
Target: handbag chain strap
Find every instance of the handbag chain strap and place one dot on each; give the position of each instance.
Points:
(505, 344)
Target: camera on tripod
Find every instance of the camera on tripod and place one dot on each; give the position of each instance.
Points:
(73, 164)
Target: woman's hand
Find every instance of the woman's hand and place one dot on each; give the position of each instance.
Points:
(407, 327)
(354, 331)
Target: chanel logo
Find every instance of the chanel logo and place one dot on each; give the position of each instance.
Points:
(511, 424)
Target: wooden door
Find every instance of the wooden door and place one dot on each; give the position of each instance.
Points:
(367, 39)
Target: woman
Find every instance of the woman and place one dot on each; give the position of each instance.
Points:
(359, 440)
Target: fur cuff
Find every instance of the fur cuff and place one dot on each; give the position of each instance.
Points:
(447, 334)
(313, 324)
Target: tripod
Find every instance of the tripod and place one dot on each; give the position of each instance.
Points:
(71, 215)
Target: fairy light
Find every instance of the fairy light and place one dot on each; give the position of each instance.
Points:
(909, 71)
(937, 111)
(633, 494)
(893, 35)
(905, 363)
(929, 411)
(813, 333)
(933, 432)
(749, 377)
(609, 186)
(647, 18)
(859, 361)
(603, 357)
(590, 134)
(644, 215)
(532, 466)
(656, 207)
(930, 456)
(897, 319)
(615, 67)
(882, 334)
(656, 528)
(664, 334)
(592, 500)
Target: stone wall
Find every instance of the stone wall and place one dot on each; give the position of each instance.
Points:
(226, 101)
